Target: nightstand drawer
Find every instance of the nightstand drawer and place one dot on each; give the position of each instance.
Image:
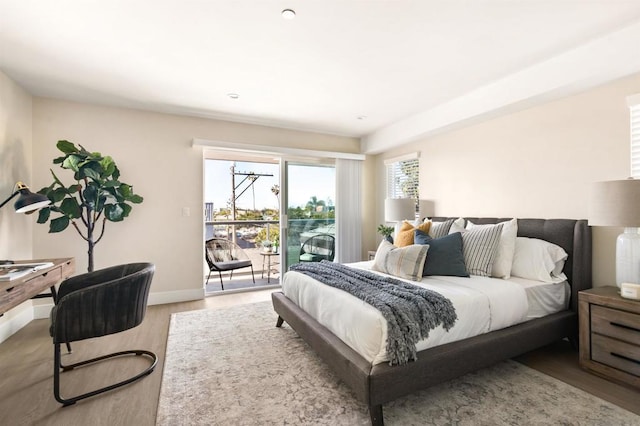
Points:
(615, 323)
(614, 353)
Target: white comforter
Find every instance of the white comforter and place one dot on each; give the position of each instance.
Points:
(482, 304)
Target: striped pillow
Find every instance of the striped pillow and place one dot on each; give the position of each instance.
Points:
(479, 246)
(403, 262)
(440, 229)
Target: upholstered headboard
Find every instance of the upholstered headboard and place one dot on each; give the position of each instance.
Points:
(574, 236)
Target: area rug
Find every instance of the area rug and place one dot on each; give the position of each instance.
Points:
(233, 366)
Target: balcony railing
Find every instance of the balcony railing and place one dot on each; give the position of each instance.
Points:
(245, 232)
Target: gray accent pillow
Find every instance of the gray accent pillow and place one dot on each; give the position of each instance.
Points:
(445, 254)
(479, 246)
(440, 229)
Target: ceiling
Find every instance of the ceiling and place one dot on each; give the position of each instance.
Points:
(384, 71)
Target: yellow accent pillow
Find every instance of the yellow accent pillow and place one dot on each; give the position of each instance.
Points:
(405, 234)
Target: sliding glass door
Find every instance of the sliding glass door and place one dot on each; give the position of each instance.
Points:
(308, 202)
(277, 211)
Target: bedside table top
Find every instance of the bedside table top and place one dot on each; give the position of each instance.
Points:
(603, 291)
(608, 296)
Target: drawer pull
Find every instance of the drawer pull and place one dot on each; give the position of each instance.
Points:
(615, 324)
(626, 358)
(9, 289)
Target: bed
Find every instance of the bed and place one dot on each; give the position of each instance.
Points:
(378, 383)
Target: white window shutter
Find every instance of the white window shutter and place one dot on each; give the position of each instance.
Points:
(403, 177)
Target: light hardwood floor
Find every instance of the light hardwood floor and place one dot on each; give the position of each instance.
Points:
(26, 384)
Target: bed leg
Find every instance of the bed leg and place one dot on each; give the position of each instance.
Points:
(279, 322)
(575, 341)
(375, 411)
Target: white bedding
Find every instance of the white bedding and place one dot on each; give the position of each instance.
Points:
(482, 304)
(545, 298)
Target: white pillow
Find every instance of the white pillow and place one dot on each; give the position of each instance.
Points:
(506, 248)
(539, 260)
(457, 226)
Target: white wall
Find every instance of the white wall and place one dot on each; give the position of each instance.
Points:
(535, 163)
(154, 154)
(15, 165)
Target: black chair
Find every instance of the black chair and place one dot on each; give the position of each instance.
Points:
(317, 248)
(96, 304)
(224, 255)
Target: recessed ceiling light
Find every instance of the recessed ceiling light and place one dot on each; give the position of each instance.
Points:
(233, 95)
(288, 14)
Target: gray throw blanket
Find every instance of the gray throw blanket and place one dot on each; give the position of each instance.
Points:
(411, 311)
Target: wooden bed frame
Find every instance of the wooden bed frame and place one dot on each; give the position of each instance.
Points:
(382, 383)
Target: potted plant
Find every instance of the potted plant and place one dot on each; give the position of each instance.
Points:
(386, 232)
(97, 196)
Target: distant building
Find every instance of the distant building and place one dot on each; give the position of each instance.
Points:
(208, 212)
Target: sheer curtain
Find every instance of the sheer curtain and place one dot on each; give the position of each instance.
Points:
(348, 211)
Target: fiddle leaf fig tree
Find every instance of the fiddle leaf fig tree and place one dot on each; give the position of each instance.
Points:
(97, 195)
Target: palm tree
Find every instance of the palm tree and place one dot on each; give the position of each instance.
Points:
(314, 203)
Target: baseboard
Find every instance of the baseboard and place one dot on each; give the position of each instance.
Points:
(15, 323)
(164, 297)
(42, 311)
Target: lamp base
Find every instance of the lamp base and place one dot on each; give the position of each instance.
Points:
(628, 257)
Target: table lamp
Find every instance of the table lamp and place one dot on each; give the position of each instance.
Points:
(399, 209)
(27, 202)
(617, 203)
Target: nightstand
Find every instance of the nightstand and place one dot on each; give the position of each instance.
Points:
(610, 334)
(372, 254)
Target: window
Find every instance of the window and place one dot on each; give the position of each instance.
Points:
(403, 177)
(634, 112)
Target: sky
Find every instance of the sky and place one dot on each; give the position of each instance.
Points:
(305, 181)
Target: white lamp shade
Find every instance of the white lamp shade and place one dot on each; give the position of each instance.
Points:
(615, 203)
(399, 209)
(426, 208)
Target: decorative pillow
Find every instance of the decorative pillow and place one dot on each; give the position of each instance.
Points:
(540, 260)
(405, 234)
(404, 262)
(479, 246)
(504, 256)
(440, 229)
(457, 225)
(445, 255)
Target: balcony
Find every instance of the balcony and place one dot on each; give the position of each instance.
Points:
(248, 236)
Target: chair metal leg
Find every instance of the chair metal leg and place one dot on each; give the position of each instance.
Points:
(221, 283)
(253, 276)
(57, 366)
(208, 277)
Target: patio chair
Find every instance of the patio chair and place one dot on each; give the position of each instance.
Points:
(317, 248)
(225, 255)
